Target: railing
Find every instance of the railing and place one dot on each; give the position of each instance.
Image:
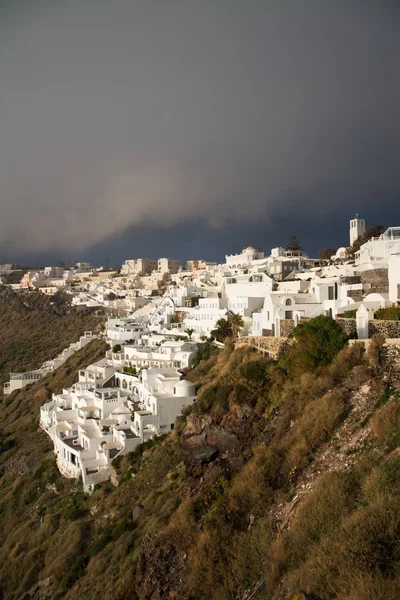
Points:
(31, 375)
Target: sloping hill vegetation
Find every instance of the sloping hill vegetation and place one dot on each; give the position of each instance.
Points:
(29, 479)
(34, 329)
(284, 472)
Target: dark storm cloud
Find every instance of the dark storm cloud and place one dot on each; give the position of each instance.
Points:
(123, 114)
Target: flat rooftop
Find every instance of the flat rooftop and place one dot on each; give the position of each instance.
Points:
(70, 443)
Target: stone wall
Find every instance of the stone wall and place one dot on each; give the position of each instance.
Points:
(287, 326)
(378, 278)
(356, 295)
(391, 353)
(350, 279)
(349, 326)
(267, 333)
(390, 329)
(271, 346)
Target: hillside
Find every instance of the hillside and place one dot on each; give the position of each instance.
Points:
(33, 329)
(284, 471)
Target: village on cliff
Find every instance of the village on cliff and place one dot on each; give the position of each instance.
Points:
(158, 314)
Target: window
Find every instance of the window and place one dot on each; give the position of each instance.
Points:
(330, 293)
(288, 314)
(288, 302)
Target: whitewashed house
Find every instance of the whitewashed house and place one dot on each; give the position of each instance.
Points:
(168, 265)
(107, 414)
(202, 318)
(169, 353)
(244, 259)
(123, 330)
(88, 429)
(138, 266)
(376, 251)
(319, 296)
(161, 395)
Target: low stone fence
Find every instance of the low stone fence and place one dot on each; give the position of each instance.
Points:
(271, 346)
(349, 326)
(390, 329)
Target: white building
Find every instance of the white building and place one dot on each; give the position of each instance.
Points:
(296, 299)
(168, 265)
(138, 266)
(245, 258)
(163, 354)
(202, 318)
(357, 228)
(105, 416)
(162, 395)
(375, 252)
(121, 330)
(394, 273)
(181, 293)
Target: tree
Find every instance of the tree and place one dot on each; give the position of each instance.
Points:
(236, 323)
(222, 330)
(316, 343)
(326, 253)
(294, 245)
(189, 332)
(61, 298)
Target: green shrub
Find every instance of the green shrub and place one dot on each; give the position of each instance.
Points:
(317, 342)
(388, 314)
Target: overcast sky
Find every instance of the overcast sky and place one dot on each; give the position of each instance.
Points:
(189, 128)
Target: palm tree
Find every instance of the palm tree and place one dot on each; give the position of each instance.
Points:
(237, 323)
(222, 330)
(189, 332)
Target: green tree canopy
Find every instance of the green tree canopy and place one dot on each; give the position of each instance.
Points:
(222, 330)
(237, 323)
(316, 343)
(294, 245)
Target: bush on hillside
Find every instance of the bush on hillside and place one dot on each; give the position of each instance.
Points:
(317, 342)
(204, 352)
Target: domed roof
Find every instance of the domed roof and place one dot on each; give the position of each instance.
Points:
(184, 384)
(121, 410)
